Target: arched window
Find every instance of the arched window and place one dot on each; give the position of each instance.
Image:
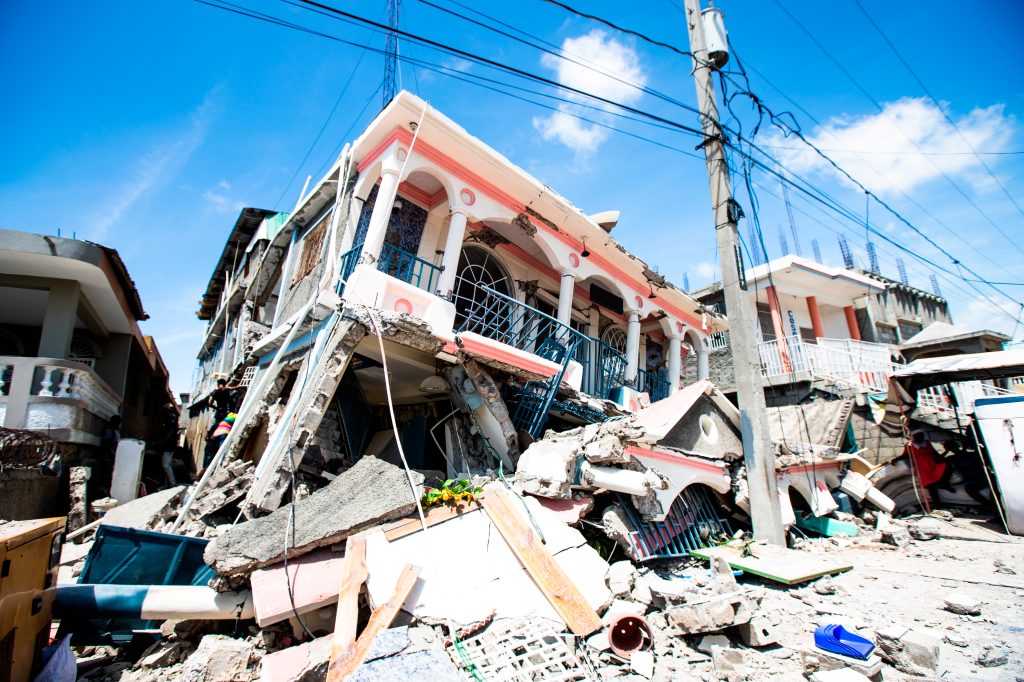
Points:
(478, 268)
(615, 336)
(83, 349)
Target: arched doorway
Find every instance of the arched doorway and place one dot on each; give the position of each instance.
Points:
(480, 270)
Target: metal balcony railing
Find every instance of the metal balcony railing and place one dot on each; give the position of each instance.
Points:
(603, 367)
(408, 267)
(393, 261)
(655, 386)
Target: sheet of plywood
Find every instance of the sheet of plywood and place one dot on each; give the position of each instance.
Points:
(782, 565)
(557, 586)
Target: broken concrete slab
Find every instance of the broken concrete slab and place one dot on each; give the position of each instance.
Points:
(145, 513)
(220, 659)
(961, 603)
(914, 652)
(568, 511)
(368, 494)
(759, 632)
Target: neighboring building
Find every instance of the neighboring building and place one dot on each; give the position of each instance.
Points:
(940, 338)
(71, 352)
(71, 357)
(807, 327)
(496, 275)
(898, 312)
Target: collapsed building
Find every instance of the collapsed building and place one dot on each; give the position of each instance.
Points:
(427, 272)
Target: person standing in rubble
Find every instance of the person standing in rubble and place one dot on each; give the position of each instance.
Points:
(223, 402)
(167, 440)
(930, 467)
(217, 436)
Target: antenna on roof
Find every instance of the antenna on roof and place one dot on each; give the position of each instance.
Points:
(935, 285)
(873, 258)
(391, 52)
(756, 250)
(792, 223)
(847, 254)
(903, 271)
(782, 241)
(817, 251)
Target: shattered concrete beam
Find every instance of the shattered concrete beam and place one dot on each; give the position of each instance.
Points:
(371, 492)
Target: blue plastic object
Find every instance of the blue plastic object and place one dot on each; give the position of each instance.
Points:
(835, 639)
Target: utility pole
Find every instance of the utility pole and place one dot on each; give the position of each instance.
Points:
(757, 447)
(391, 52)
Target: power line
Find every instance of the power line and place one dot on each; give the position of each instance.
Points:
(813, 192)
(879, 106)
(932, 97)
(641, 36)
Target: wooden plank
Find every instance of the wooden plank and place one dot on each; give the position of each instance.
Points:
(436, 515)
(557, 587)
(381, 618)
(353, 575)
(782, 565)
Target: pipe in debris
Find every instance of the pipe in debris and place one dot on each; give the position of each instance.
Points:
(151, 602)
(619, 480)
(628, 634)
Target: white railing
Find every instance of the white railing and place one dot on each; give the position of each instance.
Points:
(33, 380)
(936, 399)
(856, 364)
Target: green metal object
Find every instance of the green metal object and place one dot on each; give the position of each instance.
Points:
(829, 527)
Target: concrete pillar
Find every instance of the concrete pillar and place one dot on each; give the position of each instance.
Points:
(703, 369)
(59, 320)
(632, 347)
(381, 215)
(851, 322)
(566, 289)
(594, 329)
(452, 251)
(675, 363)
(812, 310)
(780, 329)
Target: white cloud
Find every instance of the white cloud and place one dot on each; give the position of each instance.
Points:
(219, 199)
(705, 269)
(994, 313)
(887, 157)
(588, 59)
(153, 169)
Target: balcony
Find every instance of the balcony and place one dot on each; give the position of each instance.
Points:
(854, 364)
(63, 398)
(654, 386)
(402, 265)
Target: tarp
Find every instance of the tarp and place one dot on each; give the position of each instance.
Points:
(968, 367)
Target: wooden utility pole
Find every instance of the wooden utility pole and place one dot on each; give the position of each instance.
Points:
(757, 447)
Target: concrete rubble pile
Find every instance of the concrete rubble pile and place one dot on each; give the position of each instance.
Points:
(617, 549)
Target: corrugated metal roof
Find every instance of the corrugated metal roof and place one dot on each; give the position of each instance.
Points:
(248, 222)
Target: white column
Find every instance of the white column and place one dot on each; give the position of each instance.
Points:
(452, 251)
(703, 371)
(566, 288)
(675, 363)
(381, 215)
(632, 347)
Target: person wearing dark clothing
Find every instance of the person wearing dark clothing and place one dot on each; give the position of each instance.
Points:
(167, 440)
(968, 464)
(222, 400)
(101, 477)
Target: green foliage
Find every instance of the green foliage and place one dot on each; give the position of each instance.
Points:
(452, 492)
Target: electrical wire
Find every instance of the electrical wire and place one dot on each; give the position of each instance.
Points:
(938, 105)
(895, 123)
(810, 190)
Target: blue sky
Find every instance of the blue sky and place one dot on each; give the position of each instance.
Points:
(146, 126)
